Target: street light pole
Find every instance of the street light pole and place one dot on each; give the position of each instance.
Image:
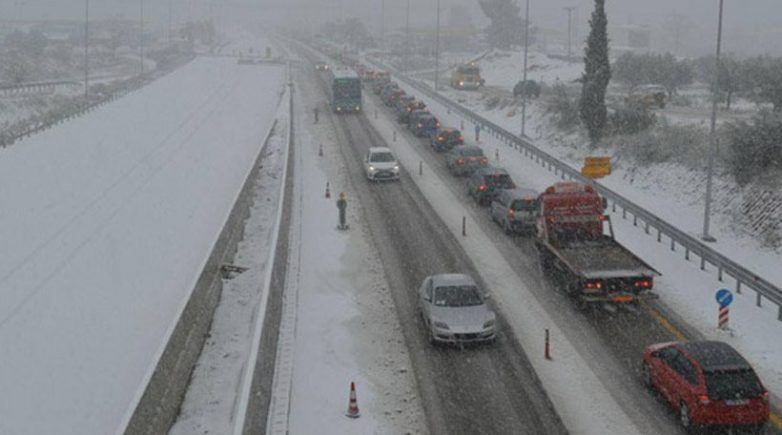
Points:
(169, 22)
(407, 36)
(706, 237)
(524, 78)
(382, 24)
(86, 49)
(141, 35)
(437, 51)
(569, 21)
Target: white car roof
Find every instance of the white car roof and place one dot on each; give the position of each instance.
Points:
(374, 150)
(448, 279)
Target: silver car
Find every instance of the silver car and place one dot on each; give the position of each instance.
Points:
(516, 210)
(454, 310)
(380, 164)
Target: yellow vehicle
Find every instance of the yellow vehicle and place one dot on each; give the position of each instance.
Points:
(467, 76)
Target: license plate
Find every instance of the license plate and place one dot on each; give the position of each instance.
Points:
(738, 402)
(624, 298)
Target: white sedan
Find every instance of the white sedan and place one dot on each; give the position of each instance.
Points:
(380, 164)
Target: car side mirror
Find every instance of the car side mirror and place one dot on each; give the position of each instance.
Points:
(486, 296)
(427, 298)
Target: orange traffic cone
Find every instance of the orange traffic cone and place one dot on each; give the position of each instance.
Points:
(328, 194)
(353, 404)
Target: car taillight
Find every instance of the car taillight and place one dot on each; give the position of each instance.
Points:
(603, 217)
(511, 213)
(440, 139)
(593, 284)
(764, 396)
(461, 138)
(437, 125)
(482, 187)
(704, 399)
(643, 284)
(420, 125)
(484, 161)
(459, 161)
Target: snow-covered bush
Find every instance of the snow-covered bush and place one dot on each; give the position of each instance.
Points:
(563, 106)
(755, 148)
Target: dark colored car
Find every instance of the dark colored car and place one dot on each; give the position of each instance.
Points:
(426, 126)
(404, 116)
(531, 88)
(380, 88)
(390, 96)
(415, 115)
(516, 210)
(400, 106)
(446, 138)
(486, 183)
(708, 383)
(464, 159)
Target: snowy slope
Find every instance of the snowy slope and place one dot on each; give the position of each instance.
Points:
(107, 221)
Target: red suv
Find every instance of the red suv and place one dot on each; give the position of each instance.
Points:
(707, 382)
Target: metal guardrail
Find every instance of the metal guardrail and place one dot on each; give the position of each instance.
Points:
(724, 265)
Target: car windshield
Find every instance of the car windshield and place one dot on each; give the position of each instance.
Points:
(381, 157)
(472, 152)
(732, 384)
(525, 205)
(501, 181)
(457, 296)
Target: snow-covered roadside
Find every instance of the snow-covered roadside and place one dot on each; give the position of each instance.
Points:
(683, 287)
(346, 328)
(210, 402)
(569, 376)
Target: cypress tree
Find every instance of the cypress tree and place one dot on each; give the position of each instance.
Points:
(597, 73)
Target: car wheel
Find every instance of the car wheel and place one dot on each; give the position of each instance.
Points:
(684, 417)
(646, 375)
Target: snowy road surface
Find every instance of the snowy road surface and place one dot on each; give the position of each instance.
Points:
(107, 221)
(485, 389)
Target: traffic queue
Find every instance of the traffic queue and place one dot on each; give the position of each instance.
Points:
(707, 383)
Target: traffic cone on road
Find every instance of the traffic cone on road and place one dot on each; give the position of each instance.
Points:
(328, 194)
(353, 404)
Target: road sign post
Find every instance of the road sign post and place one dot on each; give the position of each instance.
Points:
(724, 298)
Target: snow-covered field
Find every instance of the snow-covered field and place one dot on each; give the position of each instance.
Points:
(107, 221)
(673, 194)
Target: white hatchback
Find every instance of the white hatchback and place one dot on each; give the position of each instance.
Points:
(380, 164)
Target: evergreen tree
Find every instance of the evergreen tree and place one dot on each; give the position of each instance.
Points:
(506, 28)
(597, 73)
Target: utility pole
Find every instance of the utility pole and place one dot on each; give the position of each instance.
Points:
(407, 37)
(381, 43)
(169, 22)
(706, 237)
(569, 10)
(437, 51)
(86, 49)
(141, 35)
(524, 78)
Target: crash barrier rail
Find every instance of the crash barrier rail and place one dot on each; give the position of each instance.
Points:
(724, 265)
(38, 123)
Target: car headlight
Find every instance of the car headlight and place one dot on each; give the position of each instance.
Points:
(440, 325)
(371, 168)
(489, 323)
(358, 108)
(396, 168)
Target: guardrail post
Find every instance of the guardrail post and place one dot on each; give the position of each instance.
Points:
(613, 206)
(635, 220)
(719, 274)
(703, 262)
(686, 253)
(624, 213)
(659, 235)
(758, 298)
(673, 244)
(647, 228)
(738, 286)
(779, 314)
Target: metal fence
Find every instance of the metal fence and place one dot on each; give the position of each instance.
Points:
(651, 223)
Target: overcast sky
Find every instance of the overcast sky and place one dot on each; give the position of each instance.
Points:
(753, 22)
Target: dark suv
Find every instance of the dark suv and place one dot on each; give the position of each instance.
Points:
(446, 138)
(426, 126)
(403, 116)
(707, 382)
(486, 183)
